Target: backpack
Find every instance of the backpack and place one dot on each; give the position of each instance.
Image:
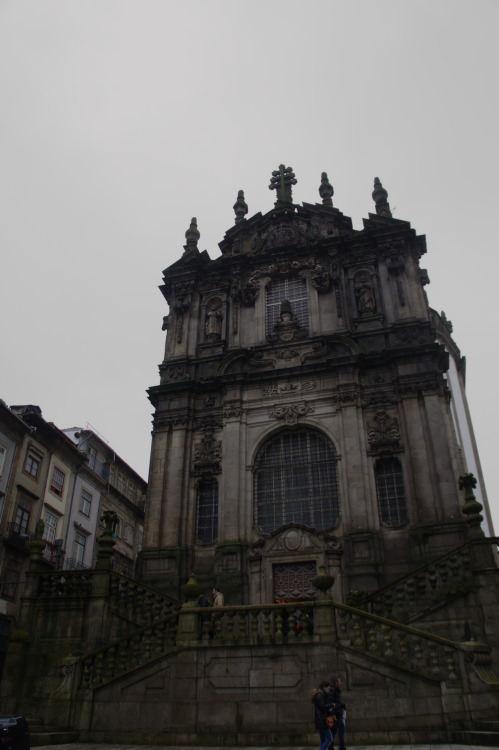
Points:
(314, 692)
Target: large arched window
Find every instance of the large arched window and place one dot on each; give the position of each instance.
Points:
(391, 492)
(295, 481)
(293, 289)
(207, 511)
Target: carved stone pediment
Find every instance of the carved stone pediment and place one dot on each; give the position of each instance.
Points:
(294, 538)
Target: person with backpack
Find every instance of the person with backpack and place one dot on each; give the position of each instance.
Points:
(323, 706)
(339, 710)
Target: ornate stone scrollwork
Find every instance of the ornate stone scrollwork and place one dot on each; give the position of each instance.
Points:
(289, 386)
(208, 453)
(287, 326)
(290, 412)
(320, 278)
(383, 431)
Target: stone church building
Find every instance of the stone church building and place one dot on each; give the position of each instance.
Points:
(313, 458)
(303, 414)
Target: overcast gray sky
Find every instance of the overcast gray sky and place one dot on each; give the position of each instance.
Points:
(122, 119)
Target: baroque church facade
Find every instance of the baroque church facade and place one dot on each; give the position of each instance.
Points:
(303, 415)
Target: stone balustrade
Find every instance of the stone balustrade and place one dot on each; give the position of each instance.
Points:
(65, 584)
(426, 655)
(431, 584)
(255, 624)
(137, 602)
(140, 647)
(405, 647)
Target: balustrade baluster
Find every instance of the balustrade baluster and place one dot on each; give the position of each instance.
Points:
(358, 636)
(254, 626)
(292, 627)
(278, 626)
(451, 664)
(387, 638)
(266, 625)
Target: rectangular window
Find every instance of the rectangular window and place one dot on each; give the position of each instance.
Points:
(57, 482)
(50, 529)
(23, 513)
(92, 455)
(3, 455)
(79, 548)
(10, 578)
(32, 465)
(85, 502)
(128, 537)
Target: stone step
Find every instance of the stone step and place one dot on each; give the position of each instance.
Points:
(486, 738)
(41, 736)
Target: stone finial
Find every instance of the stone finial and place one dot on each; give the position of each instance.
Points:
(282, 181)
(192, 235)
(380, 198)
(472, 508)
(240, 207)
(326, 190)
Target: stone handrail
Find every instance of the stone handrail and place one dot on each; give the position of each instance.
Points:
(429, 585)
(422, 653)
(125, 654)
(138, 602)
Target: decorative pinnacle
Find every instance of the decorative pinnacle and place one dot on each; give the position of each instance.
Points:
(326, 190)
(240, 207)
(192, 235)
(380, 198)
(281, 181)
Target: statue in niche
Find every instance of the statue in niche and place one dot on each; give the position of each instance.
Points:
(213, 325)
(364, 296)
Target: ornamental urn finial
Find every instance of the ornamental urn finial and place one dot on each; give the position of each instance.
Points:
(326, 190)
(380, 198)
(240, 207)
(192, 235)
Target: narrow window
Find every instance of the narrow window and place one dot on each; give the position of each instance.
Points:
(391, 492)
(32, 465)
(10, 578)
(23, 514)
(79, 548)
(128, 536)
(207, 511)
(3, 454)
(57, 482)
(85, 502)
(50, 529)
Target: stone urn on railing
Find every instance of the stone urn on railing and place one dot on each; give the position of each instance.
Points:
(191, 591)
(323, 581)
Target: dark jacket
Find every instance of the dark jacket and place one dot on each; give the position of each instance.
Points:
(322, 708)
(335, 698)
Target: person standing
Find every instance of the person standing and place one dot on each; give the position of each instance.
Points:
(218, 601)
(322, 707)
(339, 712)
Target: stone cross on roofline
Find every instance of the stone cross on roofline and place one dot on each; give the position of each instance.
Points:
(281, 181)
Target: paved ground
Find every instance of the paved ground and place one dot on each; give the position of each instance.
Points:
(88, 746)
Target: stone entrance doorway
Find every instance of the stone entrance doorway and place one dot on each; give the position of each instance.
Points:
(292, 581)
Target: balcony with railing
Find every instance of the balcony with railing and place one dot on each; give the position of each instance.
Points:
(18, 536)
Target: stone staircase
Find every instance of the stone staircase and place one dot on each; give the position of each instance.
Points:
(485, 733)
(41, 735)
